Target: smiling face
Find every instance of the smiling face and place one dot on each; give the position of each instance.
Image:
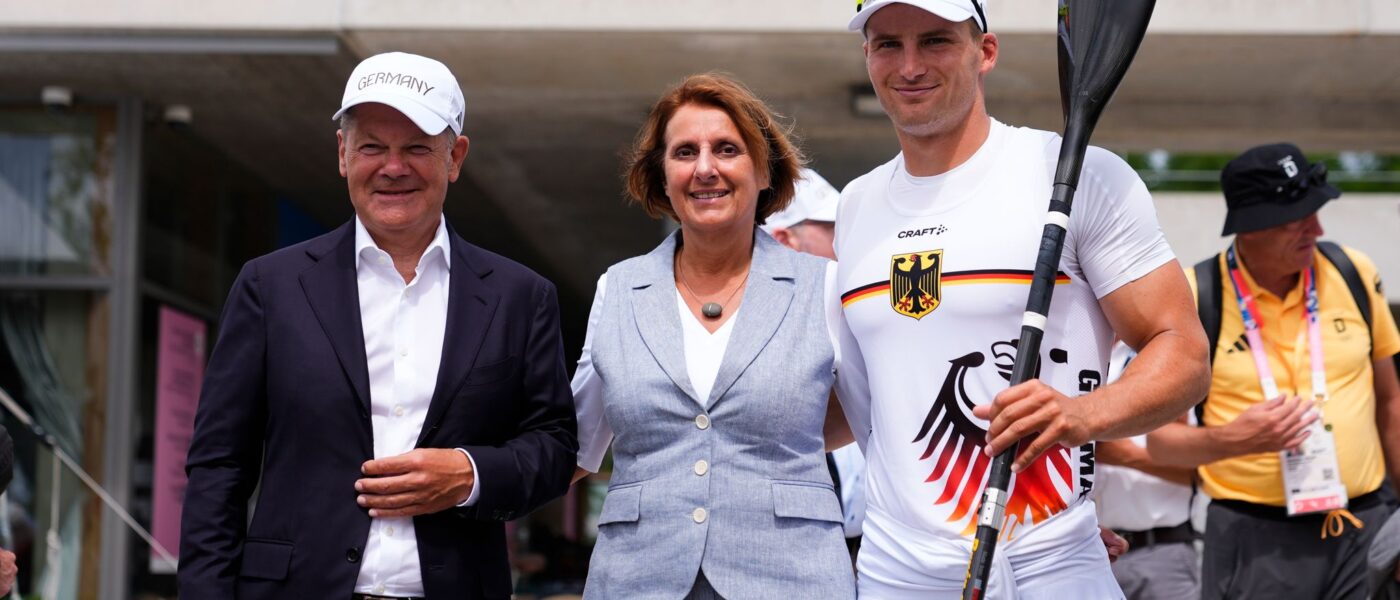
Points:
(711, 180)
(926, 70)
(397, 174)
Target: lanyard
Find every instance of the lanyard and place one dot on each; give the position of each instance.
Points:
(1249, 312)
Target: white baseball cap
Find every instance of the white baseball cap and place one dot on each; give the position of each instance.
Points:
(956, 11)
(813, 200)
(423, 89)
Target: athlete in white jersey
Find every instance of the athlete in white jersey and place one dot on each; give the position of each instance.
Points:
(935, 252)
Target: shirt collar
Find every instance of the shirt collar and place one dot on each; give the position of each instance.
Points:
(439, 245)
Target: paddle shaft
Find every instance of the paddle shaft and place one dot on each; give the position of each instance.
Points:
(1052, 242)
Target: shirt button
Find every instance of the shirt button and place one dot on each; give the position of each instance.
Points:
(389, 531)
(398, 411)
(702, 421)
(379, 589)
(403, 351)
(699, 515)
(701, 467)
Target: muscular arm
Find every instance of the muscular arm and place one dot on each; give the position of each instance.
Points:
(1156, 317)
(1388, 414)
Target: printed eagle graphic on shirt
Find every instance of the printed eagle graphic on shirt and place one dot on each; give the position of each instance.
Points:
(955, 444)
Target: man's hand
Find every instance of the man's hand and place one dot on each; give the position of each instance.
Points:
(8, 571)
(1270, 426)
(1113, 543)
(1026, 410)
(423, 481)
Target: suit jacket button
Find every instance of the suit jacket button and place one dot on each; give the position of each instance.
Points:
(352, 555)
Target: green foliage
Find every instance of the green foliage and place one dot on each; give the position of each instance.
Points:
(1200, 172)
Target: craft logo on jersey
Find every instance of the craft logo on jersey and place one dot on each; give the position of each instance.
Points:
(915, 282)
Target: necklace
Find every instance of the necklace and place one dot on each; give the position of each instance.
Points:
(711, 310)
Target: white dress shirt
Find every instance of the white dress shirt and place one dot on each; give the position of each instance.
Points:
(404, 325)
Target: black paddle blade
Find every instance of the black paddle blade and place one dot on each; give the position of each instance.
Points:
(1103, 37)
(1066, 59)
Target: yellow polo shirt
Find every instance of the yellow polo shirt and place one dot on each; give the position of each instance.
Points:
(1351, 409)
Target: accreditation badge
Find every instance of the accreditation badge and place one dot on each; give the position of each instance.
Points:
(1311, 480)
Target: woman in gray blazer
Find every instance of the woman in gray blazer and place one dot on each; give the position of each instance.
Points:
(708, 367)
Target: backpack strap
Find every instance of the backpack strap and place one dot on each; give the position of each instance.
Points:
(1339, 259)
(1208, 299)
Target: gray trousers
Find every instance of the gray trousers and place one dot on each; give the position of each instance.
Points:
(1253, 555)
(1160, 572)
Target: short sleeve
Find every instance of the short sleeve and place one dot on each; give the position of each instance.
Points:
(595, 434)
(1114, 234)
(852, 380)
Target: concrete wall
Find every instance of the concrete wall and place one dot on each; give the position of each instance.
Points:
(1368, 222)
(1323, 17)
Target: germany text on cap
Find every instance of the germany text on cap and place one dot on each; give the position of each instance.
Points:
(421, 88)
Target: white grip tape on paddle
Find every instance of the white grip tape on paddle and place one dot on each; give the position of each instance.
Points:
(1035, 320)
(1058, 218)
(993, 507)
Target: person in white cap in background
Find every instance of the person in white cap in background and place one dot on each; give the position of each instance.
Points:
(809, 225)
(395, 392)
(935, 251)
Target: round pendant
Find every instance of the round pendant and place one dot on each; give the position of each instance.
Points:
(711, 310)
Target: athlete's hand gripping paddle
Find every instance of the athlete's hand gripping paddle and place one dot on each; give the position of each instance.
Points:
(1097, 41)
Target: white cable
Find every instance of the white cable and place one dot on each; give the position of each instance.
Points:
(23, 417)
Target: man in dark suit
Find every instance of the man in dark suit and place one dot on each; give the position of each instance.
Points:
(394, 392)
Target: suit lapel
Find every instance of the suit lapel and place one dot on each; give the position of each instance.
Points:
(331, 289)
(766, 300)
(657, 318)
(471, 304)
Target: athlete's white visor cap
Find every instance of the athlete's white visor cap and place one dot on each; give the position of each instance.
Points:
(421, 88)
(956, 11)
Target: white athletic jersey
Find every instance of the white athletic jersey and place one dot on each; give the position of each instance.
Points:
(934, 274)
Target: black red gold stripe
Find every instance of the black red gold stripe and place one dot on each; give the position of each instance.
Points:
(978, 276)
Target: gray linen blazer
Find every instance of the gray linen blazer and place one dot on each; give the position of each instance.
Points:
(759, 516)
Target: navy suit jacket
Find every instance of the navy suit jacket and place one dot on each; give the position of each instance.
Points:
(285, 406)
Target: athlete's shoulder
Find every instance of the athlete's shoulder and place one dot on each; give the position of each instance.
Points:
(863, 184)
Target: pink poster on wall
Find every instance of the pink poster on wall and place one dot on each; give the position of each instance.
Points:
(179, 373)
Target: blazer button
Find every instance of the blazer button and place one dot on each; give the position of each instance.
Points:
(701, 467)
(352, 555)
(702, 421)
(699, 515)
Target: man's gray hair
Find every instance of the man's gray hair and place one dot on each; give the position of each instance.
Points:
(347, 122)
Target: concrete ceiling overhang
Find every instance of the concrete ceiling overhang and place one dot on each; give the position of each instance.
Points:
(550, 112)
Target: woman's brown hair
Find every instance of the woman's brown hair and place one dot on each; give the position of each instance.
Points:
(769, 142)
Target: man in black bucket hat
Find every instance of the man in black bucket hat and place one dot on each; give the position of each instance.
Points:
(1271, 185)
(1302, 343)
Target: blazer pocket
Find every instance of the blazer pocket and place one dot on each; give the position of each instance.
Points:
(265, 559)
(491, 373)
(623, 505)
(806, 501)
